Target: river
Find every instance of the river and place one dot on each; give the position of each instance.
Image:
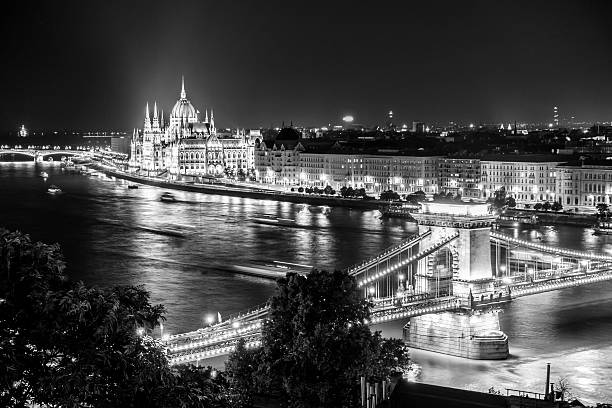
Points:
(113, 235)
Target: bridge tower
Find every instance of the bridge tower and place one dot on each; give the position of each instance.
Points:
(467, 269)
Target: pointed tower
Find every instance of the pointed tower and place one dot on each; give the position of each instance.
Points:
(155, 118)
(206, 118)
(147, 122)
(183, 93)
(212, 119)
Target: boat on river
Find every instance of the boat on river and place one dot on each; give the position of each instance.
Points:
(505, 220)
(132, 186)
(44, 174)
(270, 270)
(53, 189)
(603, 227)
(271, 220)
(167, 197)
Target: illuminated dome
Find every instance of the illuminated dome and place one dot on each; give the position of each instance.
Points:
(183, 108)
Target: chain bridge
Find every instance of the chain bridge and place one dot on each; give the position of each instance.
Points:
(447, 280)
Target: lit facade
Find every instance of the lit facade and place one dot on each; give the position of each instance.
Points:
(526, 181)
(277, 163)
(293, 165)
(460, 176)
(186, 146)
(584, 185)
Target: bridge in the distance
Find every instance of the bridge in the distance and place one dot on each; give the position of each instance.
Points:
(38, 155)
(453, 269)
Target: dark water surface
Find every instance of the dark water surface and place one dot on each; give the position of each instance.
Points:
(113, 235)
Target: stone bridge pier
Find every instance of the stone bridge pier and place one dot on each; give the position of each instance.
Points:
(462, 268)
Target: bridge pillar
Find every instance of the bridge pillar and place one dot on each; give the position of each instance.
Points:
(472, 275)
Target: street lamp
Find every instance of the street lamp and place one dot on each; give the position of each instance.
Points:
(210, 319)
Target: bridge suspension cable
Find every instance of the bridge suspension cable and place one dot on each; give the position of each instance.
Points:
(421, 254)
(387, 253)
(550, 249)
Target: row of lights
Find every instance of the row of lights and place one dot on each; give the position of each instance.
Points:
(552, 249)
(406, 261)
(212, 353)
(400, 315)
(219, 337)
(560, 285)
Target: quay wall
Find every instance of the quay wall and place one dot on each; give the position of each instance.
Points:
(247, 192)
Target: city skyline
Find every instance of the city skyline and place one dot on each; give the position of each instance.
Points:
(96, 66)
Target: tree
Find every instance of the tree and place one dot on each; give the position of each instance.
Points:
(300, 189)
(66, 344)
(499, 198)
(389, 195)
(244, 372)
(329, 190)
(557, 206)
(537, 206)
(603, 210)
(420, 196)
(316, 344)
(546, 206)
(510, 202)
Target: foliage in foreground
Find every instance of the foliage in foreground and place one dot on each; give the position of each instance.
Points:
(316, 344)
(65, 344)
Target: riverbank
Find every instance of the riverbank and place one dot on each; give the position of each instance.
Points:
(242, 191)
(556, 218)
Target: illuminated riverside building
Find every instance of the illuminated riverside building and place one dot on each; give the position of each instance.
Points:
(186, 146)
(581, 184)
(528, 178)
(460, 176)
(292, 163)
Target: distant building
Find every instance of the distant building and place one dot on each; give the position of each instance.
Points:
(187, 146)
(121, 144)
(555, 117)
(418, 127)
(460, 176)
(23, 132)
(527, 178)
(277, 162)
(584, 184)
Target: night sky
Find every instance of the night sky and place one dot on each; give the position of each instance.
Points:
(94, 64)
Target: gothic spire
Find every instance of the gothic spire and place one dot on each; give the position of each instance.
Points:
(147, 122)
(183, 93)
(155, 117)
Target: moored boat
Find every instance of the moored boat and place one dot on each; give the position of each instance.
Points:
(44, 174)
(517, 220)
(132, 186)
(603, 227)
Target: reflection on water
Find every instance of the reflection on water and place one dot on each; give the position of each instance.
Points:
(115, 235)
